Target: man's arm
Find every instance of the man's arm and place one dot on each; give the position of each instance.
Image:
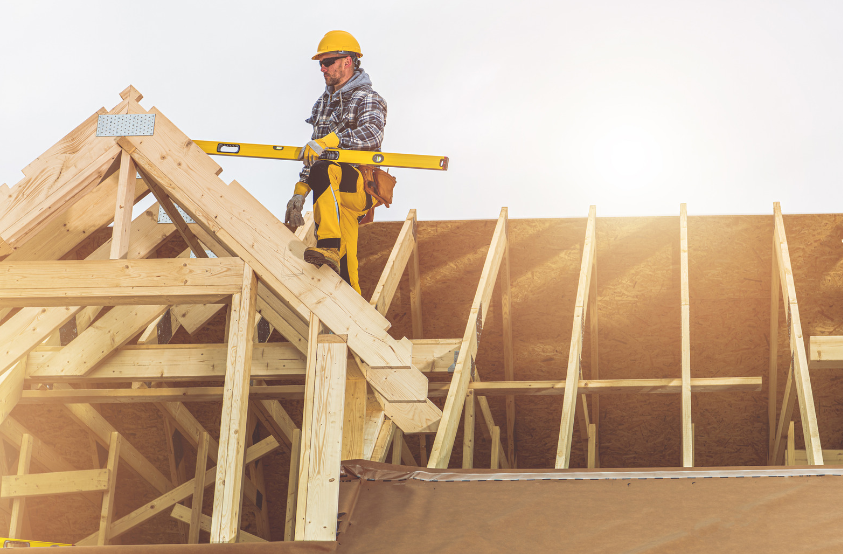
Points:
(371, 120)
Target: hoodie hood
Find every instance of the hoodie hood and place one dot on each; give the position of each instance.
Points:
(359, 79)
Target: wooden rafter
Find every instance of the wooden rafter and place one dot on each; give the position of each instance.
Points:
(574, 372)
(687, 435)
(798, 384)
(464, 367)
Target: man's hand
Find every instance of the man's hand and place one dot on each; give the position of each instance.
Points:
(293, 217)
(313, 149)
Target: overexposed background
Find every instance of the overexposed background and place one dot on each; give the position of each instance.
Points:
(544, 107)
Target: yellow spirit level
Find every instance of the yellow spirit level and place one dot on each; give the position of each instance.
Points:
(363, 157)
(19, 543)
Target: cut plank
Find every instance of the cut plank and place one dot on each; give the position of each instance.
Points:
(116, 282)
(825, 352)
(48, 484)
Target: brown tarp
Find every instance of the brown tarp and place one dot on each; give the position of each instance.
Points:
(304, 547)
(386, 508)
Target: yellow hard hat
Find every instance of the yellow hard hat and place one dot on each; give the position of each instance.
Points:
(338, 41)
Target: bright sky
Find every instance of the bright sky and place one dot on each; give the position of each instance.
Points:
(544, 107)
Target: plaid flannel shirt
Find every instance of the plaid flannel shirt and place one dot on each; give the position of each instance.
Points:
(357, 114)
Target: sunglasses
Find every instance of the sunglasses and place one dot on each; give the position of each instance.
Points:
(328, 62)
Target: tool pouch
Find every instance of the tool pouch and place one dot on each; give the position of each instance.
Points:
(378, 183)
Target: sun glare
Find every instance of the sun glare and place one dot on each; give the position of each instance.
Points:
(628, 157)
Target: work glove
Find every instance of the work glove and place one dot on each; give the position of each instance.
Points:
(313, 149)
(293, 218)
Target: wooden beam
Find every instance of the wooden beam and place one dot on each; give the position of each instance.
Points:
(306, 233)
(790, 459)
(574, 372)
(496, 453)
(397, 447)
(118, 282)
(228, 493)
(123, 209)
(178, 494)
(444, 443)
(292, 487)
(315, 328)
(394, 269)
(825, 352)
(801, 376)
(381, 450)
(175, 444)
(687, 436)
(606, 386)
(19, 504)
(11, 387)
(323, 479)
(107, 512)
(199, 489)
(141, 395)
(592, 444)
(183, 515)
(50, 484)
(415, 282)
(354, 418)
(468, 432)
(773, 373)
(593, 343)
(174, 362)
(508, 355)
(372, 426)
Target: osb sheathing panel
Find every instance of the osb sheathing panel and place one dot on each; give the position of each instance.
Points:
(637, 282)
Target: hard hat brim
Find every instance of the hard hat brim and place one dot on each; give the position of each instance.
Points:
(316, 57)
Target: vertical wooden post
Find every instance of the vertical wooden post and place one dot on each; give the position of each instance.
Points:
(508, 355)
(228, 492)
(595, 367)
(397, 446)
(383, 441)
(415, 283)
(314, 329)
(320, 521)
(353, 426)
(592, 445)
(198, 488)
(496, 452)
(791, 445)
(773, 374)
(468, 432)
(423, 450)
(687, 438)
(123, 209)
(19, 504)
(175, 455)
(107, 512)
(292, 487)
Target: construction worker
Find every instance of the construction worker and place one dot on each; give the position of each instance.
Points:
(348, 115)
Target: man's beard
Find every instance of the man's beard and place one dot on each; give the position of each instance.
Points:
(331, 81)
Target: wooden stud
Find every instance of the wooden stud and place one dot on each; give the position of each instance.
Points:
(326, 440)
(687, 436)
(415, 282)
(198, 488)
(381, 450)
(354, 420)
(799, 362)
(228, 492)
(773, 373)
(595, 367)
(592, 446)
(574, 371)
(790, 459)
(123, 209)
(496, 439)
(468, 432)
(394, 269)
(175, 458)
(315, 327)
(440, 454)
(19, 504)
(292, 487)
(508, 355)
(397, 447)
(107, 512)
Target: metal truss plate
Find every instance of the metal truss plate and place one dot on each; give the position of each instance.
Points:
(126, 125)
(164, 218)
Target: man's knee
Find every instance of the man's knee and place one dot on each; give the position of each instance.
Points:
(319, 179)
